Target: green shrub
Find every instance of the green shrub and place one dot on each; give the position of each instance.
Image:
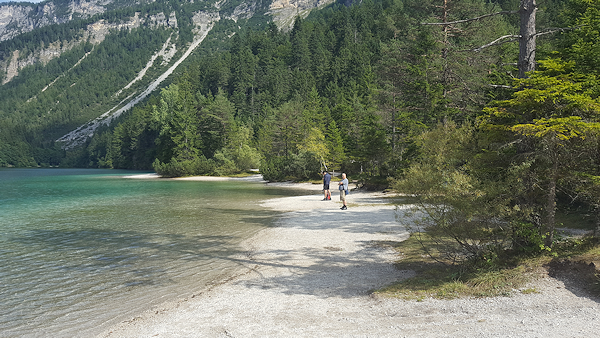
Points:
(224, 164)
(179, 168)
(299, 167)
(527, 238)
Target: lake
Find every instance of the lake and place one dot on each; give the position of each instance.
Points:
(82, 250)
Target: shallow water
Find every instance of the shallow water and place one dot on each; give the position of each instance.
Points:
(82, 250)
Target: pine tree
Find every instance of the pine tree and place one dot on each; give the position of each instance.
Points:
(335, 146)
(546, 123)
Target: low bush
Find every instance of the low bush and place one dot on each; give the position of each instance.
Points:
(301, 167)
(180, 168)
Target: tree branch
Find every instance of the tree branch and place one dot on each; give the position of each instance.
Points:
(467, 20)
(554, 30)
(497, 42)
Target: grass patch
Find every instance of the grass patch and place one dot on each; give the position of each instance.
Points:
(529, 291)
(510, 275)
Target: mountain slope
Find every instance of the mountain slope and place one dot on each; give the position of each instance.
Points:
(67, 68)
(81, 134)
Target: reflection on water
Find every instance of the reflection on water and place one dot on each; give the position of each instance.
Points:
(84, 249)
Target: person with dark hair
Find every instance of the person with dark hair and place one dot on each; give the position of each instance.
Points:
(326, 181)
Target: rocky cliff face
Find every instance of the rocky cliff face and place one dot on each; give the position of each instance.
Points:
(87, 9)
(95, 33)
(21, 18)
(12, 18)
(285, 11)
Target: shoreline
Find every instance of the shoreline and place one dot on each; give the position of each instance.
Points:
(251, 178)
(313, 274)
(261, 252)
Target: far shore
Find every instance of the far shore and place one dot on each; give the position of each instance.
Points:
(251, 178)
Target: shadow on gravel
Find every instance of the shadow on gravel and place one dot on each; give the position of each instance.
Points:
(331, 272)
(580, 277)
(356, 220)
(335, 254)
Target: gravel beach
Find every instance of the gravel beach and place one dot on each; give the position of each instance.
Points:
(312, 276)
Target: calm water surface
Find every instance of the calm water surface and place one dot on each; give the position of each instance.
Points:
(81, 250)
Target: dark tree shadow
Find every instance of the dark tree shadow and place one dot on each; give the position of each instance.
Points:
(579, 277)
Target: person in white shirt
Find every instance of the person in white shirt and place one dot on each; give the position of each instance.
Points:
(343, 185)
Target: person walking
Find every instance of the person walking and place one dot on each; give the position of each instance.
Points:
(326, 181)
(343, 185)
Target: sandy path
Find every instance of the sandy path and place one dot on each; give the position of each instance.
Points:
(312, 276)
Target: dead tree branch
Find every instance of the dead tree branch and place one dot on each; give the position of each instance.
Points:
(498, 41)
(468, 20)
(554, 30)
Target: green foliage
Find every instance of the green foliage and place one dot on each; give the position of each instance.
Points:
(501, 277)
(373, 145)
(176, 118)
(302, 166)
(582, 44)
(180, 168)
(527, 239)
(15, 154)
(551, 124)
(559, 130)
(428, 67)
(133, 142)
(243, 156)
(335, 144)
(555, 91)
(460, 213)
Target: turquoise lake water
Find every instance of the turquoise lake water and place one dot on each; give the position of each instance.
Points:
(82, 250)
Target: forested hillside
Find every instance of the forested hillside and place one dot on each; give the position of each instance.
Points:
(57, 78)
(350, 88)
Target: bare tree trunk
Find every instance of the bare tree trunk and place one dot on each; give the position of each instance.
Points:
(527, 40)
(394, 123)
(446, 47)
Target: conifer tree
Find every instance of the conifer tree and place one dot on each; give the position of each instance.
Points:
(335, 146)
(547, 123)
